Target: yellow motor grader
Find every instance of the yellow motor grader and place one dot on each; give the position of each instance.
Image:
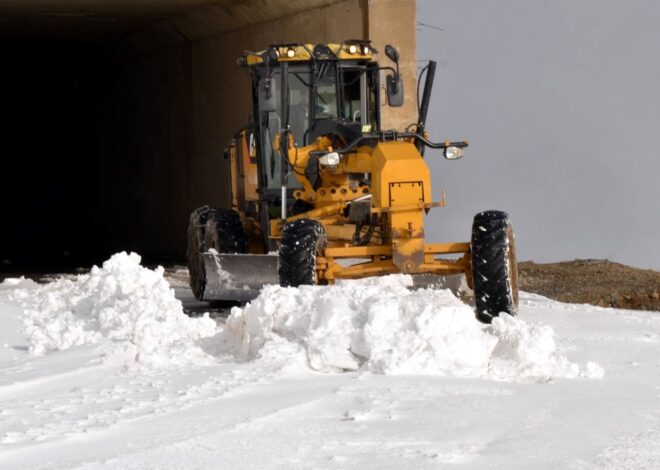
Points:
(319, 191)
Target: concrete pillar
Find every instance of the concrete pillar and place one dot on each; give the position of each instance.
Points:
(393, 22)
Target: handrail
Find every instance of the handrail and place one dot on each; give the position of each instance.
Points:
(393, 135)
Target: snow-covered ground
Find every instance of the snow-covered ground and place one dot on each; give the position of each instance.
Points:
(104, 371)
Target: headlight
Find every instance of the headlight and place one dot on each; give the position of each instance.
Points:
(453, 153)
(352, 49)
(330, 159)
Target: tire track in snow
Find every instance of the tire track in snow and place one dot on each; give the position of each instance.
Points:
(635, 451)
(107, 399)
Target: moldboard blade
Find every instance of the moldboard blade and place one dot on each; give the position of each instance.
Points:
(238, 277)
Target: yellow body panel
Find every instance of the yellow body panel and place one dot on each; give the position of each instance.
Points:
(400, 192)
(243, 164)
(394, 163)
(401, 179)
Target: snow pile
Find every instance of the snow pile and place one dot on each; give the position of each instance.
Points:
(525, 350)
(379, 325)
(121, 301)
(13, 283)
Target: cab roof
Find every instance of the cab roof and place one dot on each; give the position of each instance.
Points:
(348, 50)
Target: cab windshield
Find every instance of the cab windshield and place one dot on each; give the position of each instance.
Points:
(346, 93)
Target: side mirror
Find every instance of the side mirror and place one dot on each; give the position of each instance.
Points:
(267, 101)
(394, 91)
(392, 54)
(270, 57)
(394, 82)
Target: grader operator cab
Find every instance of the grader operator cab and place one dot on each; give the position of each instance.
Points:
(316, 182)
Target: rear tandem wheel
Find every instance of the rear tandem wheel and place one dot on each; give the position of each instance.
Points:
(209, 228)
(196, 246)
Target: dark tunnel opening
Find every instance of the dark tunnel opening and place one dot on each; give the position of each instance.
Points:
(96, 142)
(52, 124)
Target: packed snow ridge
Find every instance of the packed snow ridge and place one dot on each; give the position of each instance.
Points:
(121, 301)
(380, 325)
(375, 325)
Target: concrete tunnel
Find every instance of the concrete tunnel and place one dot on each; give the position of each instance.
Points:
(116, 113)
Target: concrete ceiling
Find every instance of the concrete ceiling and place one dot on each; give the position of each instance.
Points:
(191, 19)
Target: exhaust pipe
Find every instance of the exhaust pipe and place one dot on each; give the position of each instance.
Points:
(284, 142)
(424, 105)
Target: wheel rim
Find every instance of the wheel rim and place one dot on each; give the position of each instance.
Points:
(512, 266)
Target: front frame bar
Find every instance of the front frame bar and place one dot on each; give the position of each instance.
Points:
(381, 262)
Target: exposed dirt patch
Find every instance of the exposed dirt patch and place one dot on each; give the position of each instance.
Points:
(596, 282)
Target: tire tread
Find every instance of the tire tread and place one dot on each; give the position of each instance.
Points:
(494, 269)
(302, 241)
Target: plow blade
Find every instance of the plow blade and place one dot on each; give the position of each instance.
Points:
(433, 281)
(241, 277)
(238, 277)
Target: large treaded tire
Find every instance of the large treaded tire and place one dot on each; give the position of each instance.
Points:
(494, 265)
(224, 232)
(302, 241)
(197, 246)
(209, 228)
